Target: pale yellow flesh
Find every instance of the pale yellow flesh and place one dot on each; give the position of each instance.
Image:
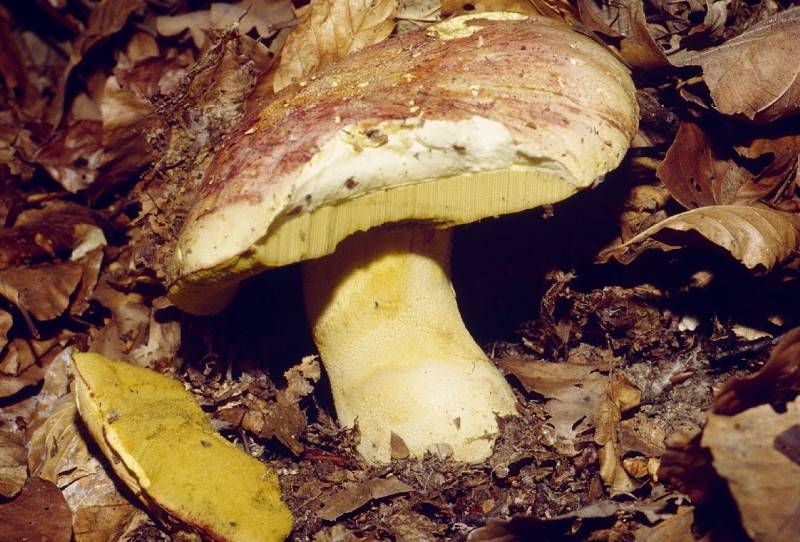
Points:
(448, 201)
(164, 448)
(386, 322)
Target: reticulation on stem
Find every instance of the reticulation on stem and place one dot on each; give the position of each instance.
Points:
(400, 361)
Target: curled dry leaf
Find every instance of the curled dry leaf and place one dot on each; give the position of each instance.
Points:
(106, 19)
(696, 172)
(574, 392)
(620, 396)
(26, 361)
(38, 513)
(41, 291)
(743, 447)
(678, 528)
(331, 29)
(266, 17)
(758, 237)
(777, 156)
(13, 467)
(161, 444)
(283, 418)
(625, 20)
(778, 378)
(749, 75)
(352, 498)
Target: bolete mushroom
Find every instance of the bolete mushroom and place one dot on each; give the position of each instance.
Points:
(474, 117)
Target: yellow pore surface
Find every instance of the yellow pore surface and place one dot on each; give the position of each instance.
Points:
(448, 201)
(163, 446)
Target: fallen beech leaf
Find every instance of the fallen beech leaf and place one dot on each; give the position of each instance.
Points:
(620, 396)
(266, 17)
(775, 177)
(331, 29)
(106, 19)
(779, 377)
(750, 75)
(283, 418)
(574, 393)
(41, 291)
(13, 467)
(127, 327)
(625, 19)
(38, 513)
(352, 498)
(757, 473)
(74, 154)
(678, 528)
(758, 237)
(25, 363)
(695, 172)
(58, 452)
(162, 445)
(531, 527)
(55, 386)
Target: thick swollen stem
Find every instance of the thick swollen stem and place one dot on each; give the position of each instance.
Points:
(400, 361)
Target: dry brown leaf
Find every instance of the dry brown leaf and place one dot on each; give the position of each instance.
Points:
(57, 452)
(283, 418)
(778, 378)
(625, 19)
(352, 498)
(73, 155)
(38, 513)
(331, 29)
(620, 396)
(574, 393)
(782, 152)
(127, 327)
(758, 237)
(678, 528)
(40, 234)
(743, 447)
(266, 17)
(750, 74)
(13, 467)
(42, 291)
(697, 173)
(25, 363)
(55, 386)
(106, 19)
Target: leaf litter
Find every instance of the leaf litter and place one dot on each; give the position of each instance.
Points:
(649, 408)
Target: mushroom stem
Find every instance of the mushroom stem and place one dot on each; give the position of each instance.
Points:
(400, 361)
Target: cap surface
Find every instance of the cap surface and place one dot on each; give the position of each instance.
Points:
(478, 116)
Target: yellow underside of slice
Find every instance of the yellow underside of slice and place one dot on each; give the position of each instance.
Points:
(449, 201)
(164, 448)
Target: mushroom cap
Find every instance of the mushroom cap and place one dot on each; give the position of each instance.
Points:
(478, 116)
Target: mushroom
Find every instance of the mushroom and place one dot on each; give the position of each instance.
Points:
(360, 171)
